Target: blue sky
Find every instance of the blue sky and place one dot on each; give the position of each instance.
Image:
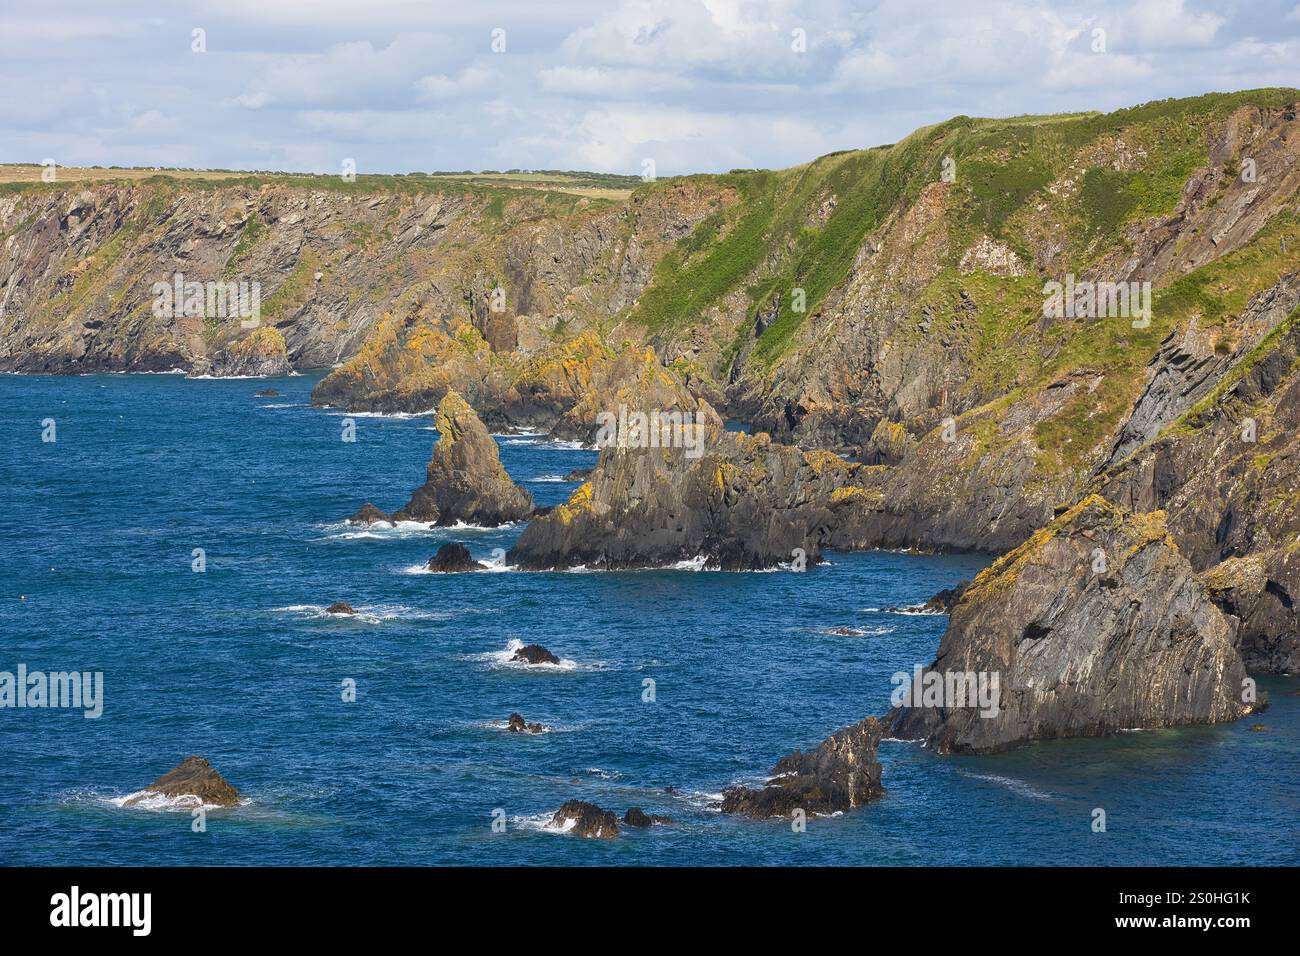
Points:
(696, 85)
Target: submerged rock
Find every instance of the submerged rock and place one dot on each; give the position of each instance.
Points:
(340, 607)
(841, 774)
(368, 514)
(516, 724)
(454, 557)
(534, 654)
(192, 777)
(465, 481)
(1096, 624)
(267, 393)
(586, 820)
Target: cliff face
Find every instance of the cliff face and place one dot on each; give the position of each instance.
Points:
(1095, 625)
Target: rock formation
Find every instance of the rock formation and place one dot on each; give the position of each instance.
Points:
(534, 654)
(453, 557)
(517, 725)
(636, 817)
(368, 514)
(586, 820)
(192, 777)
(744, 503)
(841, 774)
(1094, 625)
(465, 480)
(340, 607)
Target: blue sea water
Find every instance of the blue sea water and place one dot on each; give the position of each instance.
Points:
(237, 663)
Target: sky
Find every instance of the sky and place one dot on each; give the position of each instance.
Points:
(694, 85)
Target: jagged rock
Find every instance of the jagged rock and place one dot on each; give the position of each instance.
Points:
(636, 817)
(586, 820)
(1261, 590)
(340, 607)
(1094, 625)
(841, 774)
(368, 514)
(534, 654)
(517, 725)
(744, 503)
(947, 598)
(261, 354)
(465, 480)
(579, 474)
(889, 444)
(193, 777)
(452, 558)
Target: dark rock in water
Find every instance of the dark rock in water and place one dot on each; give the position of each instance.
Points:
(738, 502)
(848, 632)
(636, 817)
(340, 607)
(579, 474)
(368, 514)
(841, 774)
(453, 557)
(586, 820)
(268, 393)
(194, 777)
(517, 725)
(947, 599)
(465, 480)
(534, 654)
(1094, 625)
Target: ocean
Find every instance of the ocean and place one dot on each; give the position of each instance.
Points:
(681, 678)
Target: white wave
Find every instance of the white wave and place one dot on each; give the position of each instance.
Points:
(911, 610)
(497, 659)
(541, 823)
(504, 727)
(157, 802)
(1016, 786)
(400, 416)
(548, 479)
(286, 405)
(603, 774)
(366, 613)
(851, 631)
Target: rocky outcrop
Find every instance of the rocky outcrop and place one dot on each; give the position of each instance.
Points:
(517, 725)
(585, 820)
(453, 558)
(1094, 625)
(945, 600)
(368, 514)
(192, 777)
(260, 354)
(534, 654)
(841, 774)
(744, 503)
(340, 607)
(1261, 591)
(636, 817)
(465, 479)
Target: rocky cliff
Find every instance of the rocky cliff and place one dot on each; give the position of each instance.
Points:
(1094, 625)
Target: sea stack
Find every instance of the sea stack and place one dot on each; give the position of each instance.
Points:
(465, 481)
